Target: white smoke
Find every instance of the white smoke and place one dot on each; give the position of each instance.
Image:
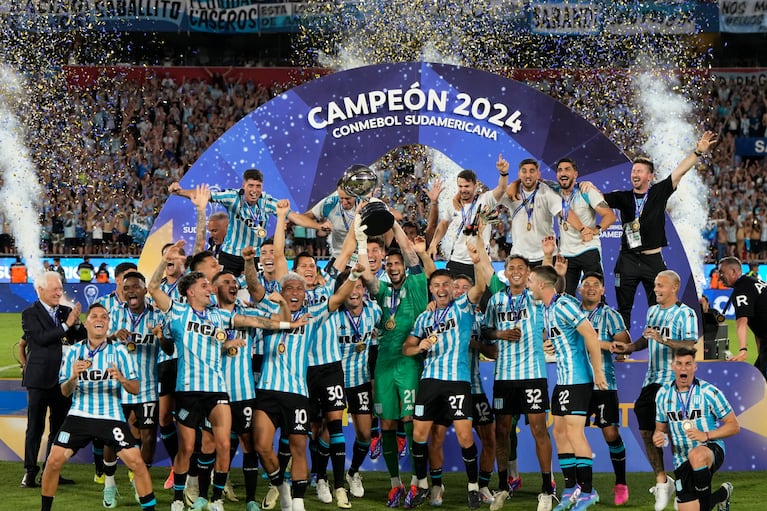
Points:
(20, 194)
(670, 138)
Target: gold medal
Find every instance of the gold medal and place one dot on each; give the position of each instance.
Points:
(720, 318)
(232, 351)
(687, 425)
(131, 346)
(433, 339)
(261, 232)
(360, 347)
(88, 363)
(635, 225)
(281, 348)
(390, 324)
(220, 335)
(564, 226)
(529, 226)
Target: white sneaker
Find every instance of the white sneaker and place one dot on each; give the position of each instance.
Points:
(229, 492)
(271, 498)
(323, 491)
(436, 494)
(499, 499)
(663, 493)
(355, 485)
(298, 505)
(486, 495)
(286, 500)
(545, 501)
(177, 505)
(191, 491)
(216, 505)
(342, 498)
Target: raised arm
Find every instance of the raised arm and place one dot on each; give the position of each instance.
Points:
(408, 252)
(200, 197)
(175, 189)
(345, 290)
(280, 262)
(439, 233)
(256, 290)
(503, 178)
(428, 263)
(433, 194)
(707, 140)
(483, 267)
(159, 296)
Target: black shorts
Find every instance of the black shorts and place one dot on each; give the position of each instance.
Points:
(77, 432)
(258, 362)
(192, 408)
(517, 397)
(289, 412)
(359, 399)
(571, 399)
(644, 407)
(146, 415)
(604, 406)
(233, 263)
(124, 239)
(439, 400)
(483, 412)
(326, 388)
(685, 489)
(166, 376)
(242, 415)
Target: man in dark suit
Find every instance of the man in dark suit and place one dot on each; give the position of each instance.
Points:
(47, 327)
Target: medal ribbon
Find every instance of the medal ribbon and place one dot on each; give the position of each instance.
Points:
(393, 302)
(345, 217)
(516, 304)
(466, 218)
(355, 324)
(436, 321)
(685, 405)
(546, 310)
(255, 215)
(93, 352)
(284, 333)
(567, 204)
(530, 199)
(639, 205)
(134, 321)
(594, 313)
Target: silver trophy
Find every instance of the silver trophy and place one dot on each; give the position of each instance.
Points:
(359, 181)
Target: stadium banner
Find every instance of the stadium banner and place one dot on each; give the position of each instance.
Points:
(70, 267)
(742, 76)
(743, 16)
(17, 297)
(740, 382)
(255, 16)
(751, 146)
(585, 18)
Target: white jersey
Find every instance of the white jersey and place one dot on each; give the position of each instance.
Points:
(460, 219)
(536, 210)
(582, 205)
(340, 219)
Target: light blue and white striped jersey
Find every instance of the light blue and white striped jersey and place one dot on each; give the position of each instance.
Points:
(199, 353)
(244, 219)
(110, 301)
(146, 344)
(560, 320)
(476, 378)
(286, 353)
(341, 220)
(608, 323)
(447, 360)
(325, 348)
(267, 308)
(355, 335)
(172, 291)
(678, 323)
(523, 359)
(271, 286)
(707, 406)
(238, 367)
(97, 395)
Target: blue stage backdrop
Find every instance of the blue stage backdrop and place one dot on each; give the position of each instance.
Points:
(305, 138)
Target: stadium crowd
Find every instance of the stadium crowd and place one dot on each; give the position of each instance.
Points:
(146, 136)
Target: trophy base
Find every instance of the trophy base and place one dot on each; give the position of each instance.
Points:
(377, 218)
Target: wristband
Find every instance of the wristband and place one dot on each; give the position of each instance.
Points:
(354, 276)
(743, 349)
(284, 325)
(581, 229)
(504, 174)
(698, 153)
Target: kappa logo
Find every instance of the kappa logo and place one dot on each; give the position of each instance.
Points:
(459, 413)
(149, 421)
(339, 403)
(535, 407)
(299, 427)
(364, 408)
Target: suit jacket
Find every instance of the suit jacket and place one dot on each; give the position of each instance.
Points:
(44, 340)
